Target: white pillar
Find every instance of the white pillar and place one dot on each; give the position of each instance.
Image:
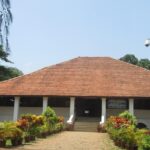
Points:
(45, 103)
(72, 106)
(131, 106)
(103, 115)
(16, 108)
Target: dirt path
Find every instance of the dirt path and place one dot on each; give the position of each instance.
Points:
(72, 141)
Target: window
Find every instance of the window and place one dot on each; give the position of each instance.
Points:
(6, 101)
(59, 102)
(31, 102)
(117, 104)
(142, 104)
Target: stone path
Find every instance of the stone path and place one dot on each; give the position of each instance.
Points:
(72, 141)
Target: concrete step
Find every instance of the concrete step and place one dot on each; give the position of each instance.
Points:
(87, 119)
(86, 124)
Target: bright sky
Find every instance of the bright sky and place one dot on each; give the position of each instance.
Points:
(50, 31)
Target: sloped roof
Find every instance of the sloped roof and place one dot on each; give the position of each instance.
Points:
(82, 76)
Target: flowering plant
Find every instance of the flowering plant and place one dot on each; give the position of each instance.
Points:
(61, 119)
(23, 124)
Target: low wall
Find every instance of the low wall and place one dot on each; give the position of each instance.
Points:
(143, 116)
(6, 113)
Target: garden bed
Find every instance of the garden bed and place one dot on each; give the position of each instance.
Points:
(29, 128)
(124, 132)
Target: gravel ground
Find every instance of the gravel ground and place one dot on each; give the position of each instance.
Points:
(71, 141)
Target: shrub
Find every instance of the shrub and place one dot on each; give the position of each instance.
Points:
(50, 118)
(143, 139)
(30, 126)
(129, 117)
(49, 113)
(122, 129)
(9, 130)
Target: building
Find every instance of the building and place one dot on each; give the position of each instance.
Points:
(84, 86)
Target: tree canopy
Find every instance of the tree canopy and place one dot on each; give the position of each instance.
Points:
(9, 72)
(130, 58)
(145, 63)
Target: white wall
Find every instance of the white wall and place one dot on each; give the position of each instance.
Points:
(6, 113)
(143, 116)
(62, 111)
(114, 112)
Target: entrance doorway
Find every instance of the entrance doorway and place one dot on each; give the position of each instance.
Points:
(88, 107)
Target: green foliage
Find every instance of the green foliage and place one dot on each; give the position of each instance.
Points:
(121, 128)
(123, 131)
(8, 130)
(143, 139)
(130, 58)
(145, 63)
(50, 115)
(145, 143)
(49, 112)
(5, 21)
(128, 116)
(30, 126)
(59, 126)
(3, 54)
(9, 72)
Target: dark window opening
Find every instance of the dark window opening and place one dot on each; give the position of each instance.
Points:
(31, 102)
(6, 101)
(58, 102)
(142, 104)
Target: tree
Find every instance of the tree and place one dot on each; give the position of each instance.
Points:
(9, 72)
(130, 58)
(145, 63)
(3, 54)
(5, 21)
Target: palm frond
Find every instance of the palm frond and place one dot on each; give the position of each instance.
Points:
(6, 19)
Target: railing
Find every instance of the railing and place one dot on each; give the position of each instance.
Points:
(102, 120)
(70, 123)
(71, 119)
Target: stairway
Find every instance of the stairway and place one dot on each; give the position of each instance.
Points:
(86, 124)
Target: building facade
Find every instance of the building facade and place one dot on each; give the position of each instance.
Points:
(84, 87)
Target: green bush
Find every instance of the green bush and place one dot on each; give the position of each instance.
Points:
(8, 130)
(122, 129)
(49, 113)
(128, 116)
(143, 139)
(50, 118)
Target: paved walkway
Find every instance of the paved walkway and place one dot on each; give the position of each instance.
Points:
(72, 141)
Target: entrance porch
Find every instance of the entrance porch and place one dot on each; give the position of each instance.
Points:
(75, 109)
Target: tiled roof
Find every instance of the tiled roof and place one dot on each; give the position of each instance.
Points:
(82, 76)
